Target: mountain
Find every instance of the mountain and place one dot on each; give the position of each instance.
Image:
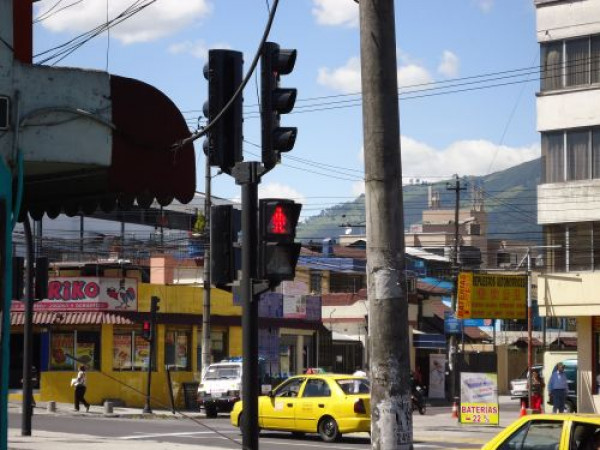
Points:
(510, 198)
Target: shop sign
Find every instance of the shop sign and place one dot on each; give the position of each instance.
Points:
(491, 296)
(479, 399)
(87, 294)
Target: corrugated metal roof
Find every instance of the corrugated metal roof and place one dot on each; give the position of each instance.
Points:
(70, 318)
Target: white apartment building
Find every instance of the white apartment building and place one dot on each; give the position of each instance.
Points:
(568, 119)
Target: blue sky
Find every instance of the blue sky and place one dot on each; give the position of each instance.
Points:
(453, 45)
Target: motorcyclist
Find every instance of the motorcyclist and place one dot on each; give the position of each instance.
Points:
(416, 394)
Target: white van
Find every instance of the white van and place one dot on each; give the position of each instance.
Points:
(220, 387)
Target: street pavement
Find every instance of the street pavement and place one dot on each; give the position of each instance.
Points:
(436, 429)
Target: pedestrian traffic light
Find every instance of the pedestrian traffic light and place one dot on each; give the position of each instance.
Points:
(276, 101)
(147, 330)
(154, 306)
(278, 252)
(225, 255)
(223, 145)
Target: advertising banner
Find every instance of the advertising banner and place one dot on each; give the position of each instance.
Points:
(294, 306)
(122, 352)
(61, 346)
(437, 376)
(452, 325)
(491, 296)
(87, 294)
(479, 398)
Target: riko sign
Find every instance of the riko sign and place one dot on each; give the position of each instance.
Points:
(88, 294)
(491, 296)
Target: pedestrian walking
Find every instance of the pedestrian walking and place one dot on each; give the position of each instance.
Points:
(557, 387)
(80, 388)
(537, 391)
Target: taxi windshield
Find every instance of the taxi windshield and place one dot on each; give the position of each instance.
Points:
(352, 386)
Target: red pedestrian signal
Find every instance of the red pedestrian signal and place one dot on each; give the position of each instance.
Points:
(147, 330)
(278, 251)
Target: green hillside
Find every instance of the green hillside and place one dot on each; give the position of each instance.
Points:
(510, 197)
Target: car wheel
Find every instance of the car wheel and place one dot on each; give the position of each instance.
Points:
(570, 407)
(298, 434)
(328, 429)
(211, 412)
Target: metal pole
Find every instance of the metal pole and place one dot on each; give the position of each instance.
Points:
(529, 329)
(27, 331)
(249, 179)
(206, 342)
(391, 409)
(147, 408)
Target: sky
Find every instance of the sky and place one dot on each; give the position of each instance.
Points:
(467, 73)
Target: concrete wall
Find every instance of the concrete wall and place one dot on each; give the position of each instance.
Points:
(568, 109)
(569, 294)
(567, 19)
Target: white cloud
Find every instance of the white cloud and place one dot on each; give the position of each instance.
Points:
(160, 19)
(336, 12)
(358, 188)
(278, 190)
(347, 78)
(197, 49)
(485, 5)
(449, 64)
(467, 157)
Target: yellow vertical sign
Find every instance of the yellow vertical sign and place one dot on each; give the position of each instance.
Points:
(491, 296)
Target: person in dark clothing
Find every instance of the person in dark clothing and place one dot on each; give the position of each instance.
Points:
(80, 388)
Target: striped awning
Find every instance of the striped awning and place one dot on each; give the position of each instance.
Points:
(70, 318)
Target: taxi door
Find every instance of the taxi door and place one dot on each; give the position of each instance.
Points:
(278, 410)
(313, 402)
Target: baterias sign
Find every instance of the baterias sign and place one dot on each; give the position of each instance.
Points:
(87, 294)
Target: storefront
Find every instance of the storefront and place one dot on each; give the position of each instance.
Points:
(97, 321)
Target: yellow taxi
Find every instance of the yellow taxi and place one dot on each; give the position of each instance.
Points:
(327, 404)
(549, 432)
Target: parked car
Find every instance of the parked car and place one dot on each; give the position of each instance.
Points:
(549, 432)
(519, 388)
(327, 404)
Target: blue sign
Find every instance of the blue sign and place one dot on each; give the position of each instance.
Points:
(452, 325)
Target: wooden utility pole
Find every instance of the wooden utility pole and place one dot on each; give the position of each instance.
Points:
(391, 409)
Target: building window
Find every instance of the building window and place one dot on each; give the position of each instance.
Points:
(570, 63)
(580, 161)
(315, 281)
(130, 351)
(552, 55)
(218, 347)
(343, 282)
(553, 160)
(70, 349)
(177, 349)
(573, 247)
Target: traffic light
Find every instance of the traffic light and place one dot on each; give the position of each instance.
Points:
(154, 308)
(41, 278)
(225, 224)
(147, 330)
(18, 277)
(223, 145)
(278, 251)
(276, 101)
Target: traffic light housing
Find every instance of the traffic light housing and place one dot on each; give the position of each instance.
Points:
(278, 252)
(276, 101)
(147, 330)
(18, 277)
(223, 145)
(225, 256)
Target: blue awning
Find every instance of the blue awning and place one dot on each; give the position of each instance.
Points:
(433, 341)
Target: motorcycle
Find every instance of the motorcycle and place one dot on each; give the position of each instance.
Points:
(418, 400)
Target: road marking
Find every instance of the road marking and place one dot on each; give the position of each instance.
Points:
(155, 435)
(306, 444)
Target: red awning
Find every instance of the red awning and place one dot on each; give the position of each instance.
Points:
(70, 318)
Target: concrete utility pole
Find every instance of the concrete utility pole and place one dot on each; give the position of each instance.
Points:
(456, 187)
(391, 409)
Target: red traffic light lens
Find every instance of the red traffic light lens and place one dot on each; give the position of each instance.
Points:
(146, 326)
(279, 223)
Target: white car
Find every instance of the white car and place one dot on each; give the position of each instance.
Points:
(519, 389)
(220, 387)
